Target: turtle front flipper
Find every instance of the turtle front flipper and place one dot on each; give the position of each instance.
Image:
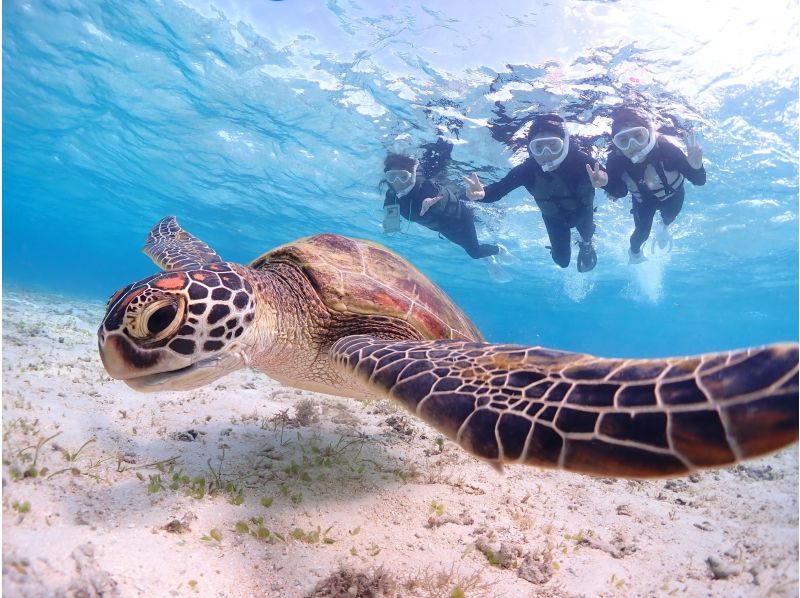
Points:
(172, 248)
(611, 417)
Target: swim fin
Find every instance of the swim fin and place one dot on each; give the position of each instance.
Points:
(661, 239)
(587, 256)
(496, 272)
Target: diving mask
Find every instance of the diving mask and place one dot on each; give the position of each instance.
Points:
(397, 176)
(546, 145)
(632, 139)
(635, 139)
(549, 152)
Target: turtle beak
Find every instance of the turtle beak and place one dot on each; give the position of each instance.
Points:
(190, 377)
(124, 361)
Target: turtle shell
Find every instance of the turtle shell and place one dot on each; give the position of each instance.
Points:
(362, 277)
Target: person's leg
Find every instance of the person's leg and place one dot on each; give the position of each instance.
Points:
(558, 231)
(462, 232)
(584, 224)
(643, 221)
(671, 207)
(669, 210)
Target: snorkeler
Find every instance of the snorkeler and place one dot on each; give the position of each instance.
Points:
(438, 208)
(652, 169)
(562, 180)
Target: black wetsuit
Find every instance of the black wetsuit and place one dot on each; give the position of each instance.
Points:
(665, 168)
(451, 217)
(565, 197)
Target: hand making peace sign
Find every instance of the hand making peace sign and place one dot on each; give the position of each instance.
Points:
(475, 190)
(694, 153)
(598, 177)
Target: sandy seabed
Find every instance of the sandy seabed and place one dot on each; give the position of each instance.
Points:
(248, 488)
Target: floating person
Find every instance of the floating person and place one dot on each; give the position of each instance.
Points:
(418, 199)
(652, 169)
(562, 179)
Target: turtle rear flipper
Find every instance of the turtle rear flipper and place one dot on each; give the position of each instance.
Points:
(172, 248)
(608, 417)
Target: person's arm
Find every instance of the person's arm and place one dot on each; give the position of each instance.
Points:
(615, 187)
(693, 170)
(434, 198)
(516, 177)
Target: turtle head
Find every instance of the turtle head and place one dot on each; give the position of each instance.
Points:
(180, 329)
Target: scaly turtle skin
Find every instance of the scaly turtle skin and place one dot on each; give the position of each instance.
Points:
(351, 318)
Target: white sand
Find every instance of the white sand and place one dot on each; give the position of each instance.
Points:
(399, 512)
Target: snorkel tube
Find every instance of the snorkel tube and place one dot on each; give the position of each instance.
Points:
(642, 153)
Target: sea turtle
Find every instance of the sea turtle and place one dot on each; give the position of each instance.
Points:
(351, 318)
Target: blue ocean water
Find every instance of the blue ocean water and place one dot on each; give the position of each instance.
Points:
(256, 123)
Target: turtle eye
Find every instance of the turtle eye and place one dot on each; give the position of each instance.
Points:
(157, 320)
(161, 318)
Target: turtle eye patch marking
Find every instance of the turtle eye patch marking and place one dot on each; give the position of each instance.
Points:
(240, 301)
(217, 313)
(172, 282)
(197, 308)
(231, 323)
(238, 332)
(197, 291)
(232, 281)
(218, 331)
(249, 318)
(115, 318)
(213, 345)
(220, 294)
(248, 287)
(186, 330)
(182, 346)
